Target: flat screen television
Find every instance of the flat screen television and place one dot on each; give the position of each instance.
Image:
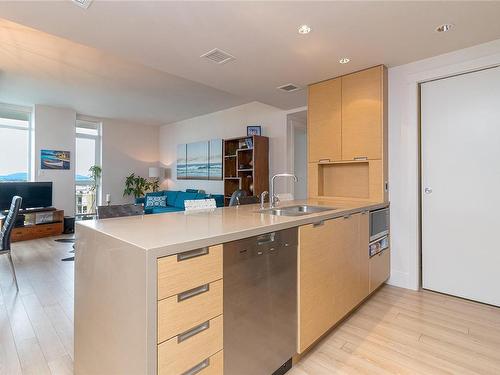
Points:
(34, 194)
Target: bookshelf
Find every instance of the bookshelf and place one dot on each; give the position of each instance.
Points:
(246, 165)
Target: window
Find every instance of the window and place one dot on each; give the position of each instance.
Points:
(16, 135)
(87, 154)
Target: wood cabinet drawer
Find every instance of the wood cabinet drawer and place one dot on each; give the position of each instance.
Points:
(192, 348)
(188, 270)
(188, 309)
(380, 269)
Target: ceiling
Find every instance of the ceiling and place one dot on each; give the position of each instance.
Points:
(168, 37)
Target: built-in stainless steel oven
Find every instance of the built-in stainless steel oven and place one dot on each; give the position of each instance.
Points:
(379, 231)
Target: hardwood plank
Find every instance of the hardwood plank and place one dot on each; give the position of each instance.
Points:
(395, 331)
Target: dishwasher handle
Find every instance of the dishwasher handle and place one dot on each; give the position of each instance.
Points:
(267, 238)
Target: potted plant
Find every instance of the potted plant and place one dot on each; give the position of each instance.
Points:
(135, 186)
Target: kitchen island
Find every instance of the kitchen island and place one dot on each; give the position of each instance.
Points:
(129, 281)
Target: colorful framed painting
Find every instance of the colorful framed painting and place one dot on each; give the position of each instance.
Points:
(54, 159)
(254, 130)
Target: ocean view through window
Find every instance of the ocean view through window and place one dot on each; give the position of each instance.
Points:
(87, 154)
(16, 136)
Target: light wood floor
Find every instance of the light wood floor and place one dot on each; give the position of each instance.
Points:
(396, 332)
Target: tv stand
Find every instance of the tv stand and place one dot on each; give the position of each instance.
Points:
(40, 209)
(38, 223)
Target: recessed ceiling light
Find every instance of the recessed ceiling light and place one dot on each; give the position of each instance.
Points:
(304, 29)
(344, 60)
(444, 28)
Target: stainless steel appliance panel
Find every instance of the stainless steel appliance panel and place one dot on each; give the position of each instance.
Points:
(260, 303)
(379, 223)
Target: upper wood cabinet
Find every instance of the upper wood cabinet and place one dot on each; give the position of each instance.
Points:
(362, 114)
(324, 121)
(333, 274)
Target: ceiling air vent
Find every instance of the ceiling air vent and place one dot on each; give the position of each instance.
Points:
(289, 87)
(82, 3)
(218, 56)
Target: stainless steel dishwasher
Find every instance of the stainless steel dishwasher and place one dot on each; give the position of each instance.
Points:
(260, 304)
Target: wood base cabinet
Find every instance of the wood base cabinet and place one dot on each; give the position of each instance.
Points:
(380, 269)
(190, 319)
(333, 274)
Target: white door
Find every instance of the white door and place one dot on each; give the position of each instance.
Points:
(461, 185)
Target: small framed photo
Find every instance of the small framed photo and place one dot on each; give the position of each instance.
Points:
(254, 130)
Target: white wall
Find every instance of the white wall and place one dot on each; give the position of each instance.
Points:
(55, 130)
(228, 123)
(403, 149)
(126, 148)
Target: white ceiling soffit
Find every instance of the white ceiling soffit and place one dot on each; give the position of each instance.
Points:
(37, 67)
(171, 36)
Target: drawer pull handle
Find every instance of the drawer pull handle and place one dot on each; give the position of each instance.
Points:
(193, 332)
(196, 369)
(193, 292)
(192, 254)
(324, 160)
(361, 158)
(318, 224)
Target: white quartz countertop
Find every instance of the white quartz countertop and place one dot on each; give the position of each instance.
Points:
(172, 233)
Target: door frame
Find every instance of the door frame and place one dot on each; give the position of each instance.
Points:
(420, 157)
(404, 149)
(290, 144)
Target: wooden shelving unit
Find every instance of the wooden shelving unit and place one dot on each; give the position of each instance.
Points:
(246, 168)
(31, 230)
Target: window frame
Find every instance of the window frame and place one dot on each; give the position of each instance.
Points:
(96, 125)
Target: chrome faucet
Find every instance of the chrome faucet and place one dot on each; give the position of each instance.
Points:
(273, 197)
(263, 198)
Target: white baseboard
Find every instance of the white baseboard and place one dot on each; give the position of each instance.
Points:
(400, 279)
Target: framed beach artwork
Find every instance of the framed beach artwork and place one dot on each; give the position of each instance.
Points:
(53, 159)
(197, 161)
(181, 162)
(215, 160)
(200, 160)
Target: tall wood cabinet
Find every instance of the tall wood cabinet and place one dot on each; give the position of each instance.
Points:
(362, 113)
(347, 131)
(333, 273)
(325, 112)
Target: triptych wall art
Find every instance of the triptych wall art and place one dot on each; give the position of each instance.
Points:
(200, 160)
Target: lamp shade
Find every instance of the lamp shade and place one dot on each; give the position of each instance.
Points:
(154, 172)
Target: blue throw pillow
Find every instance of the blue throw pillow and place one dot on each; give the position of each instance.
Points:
(171, 195)
(181, 197)
(156, 201)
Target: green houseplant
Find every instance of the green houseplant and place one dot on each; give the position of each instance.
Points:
(136, 186)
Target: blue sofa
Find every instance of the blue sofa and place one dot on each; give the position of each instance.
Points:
(175, 200)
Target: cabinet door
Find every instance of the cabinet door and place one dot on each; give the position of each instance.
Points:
(333, 274)
(316, 282)
(348, 271)
(362, 106)
(380, 269)
(324, 123)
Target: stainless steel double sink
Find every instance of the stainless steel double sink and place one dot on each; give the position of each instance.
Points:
(298, 210)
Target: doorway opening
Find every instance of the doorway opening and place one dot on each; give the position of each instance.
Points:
(297, 152)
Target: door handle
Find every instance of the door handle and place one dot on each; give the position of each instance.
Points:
(428, 190)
